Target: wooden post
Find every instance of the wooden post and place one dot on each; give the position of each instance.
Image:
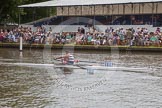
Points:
(21, 44)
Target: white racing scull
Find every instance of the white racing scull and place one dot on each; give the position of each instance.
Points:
(78, 66)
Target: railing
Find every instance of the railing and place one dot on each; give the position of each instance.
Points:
(101, 28)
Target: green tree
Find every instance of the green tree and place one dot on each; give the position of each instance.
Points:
(9, 11)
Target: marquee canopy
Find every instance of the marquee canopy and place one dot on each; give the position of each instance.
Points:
(56, 3)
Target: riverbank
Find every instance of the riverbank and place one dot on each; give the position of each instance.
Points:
(83, 47)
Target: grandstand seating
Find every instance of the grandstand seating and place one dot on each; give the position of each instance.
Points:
(101, 20)
(100, 28)
(71, 23)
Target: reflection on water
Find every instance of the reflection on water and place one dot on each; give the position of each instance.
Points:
(50, 87)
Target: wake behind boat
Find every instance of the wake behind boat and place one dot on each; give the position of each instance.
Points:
(58, 65)
(117, 68)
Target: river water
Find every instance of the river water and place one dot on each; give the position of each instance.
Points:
(43, 86)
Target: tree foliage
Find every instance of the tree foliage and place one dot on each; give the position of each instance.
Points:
(9, 11)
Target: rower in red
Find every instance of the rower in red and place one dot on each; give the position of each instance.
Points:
(68, 58)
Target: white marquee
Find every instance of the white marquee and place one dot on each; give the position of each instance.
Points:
(55, 3)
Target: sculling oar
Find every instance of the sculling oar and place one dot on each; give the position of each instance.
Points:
(104, 63)
(86, 61)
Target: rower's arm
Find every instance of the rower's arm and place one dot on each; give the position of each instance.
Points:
(58, 58)
(65, 56)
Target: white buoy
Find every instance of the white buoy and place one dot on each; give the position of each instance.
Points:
(21, 43)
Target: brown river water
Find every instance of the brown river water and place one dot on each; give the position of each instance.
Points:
(137, 85)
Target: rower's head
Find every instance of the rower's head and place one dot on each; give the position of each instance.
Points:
(66, 52)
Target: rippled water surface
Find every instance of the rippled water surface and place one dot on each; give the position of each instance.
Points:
(138, 85)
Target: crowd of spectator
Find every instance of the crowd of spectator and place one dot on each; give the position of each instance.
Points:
(111, 37)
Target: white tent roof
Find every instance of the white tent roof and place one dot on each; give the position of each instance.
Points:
(54, 3)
